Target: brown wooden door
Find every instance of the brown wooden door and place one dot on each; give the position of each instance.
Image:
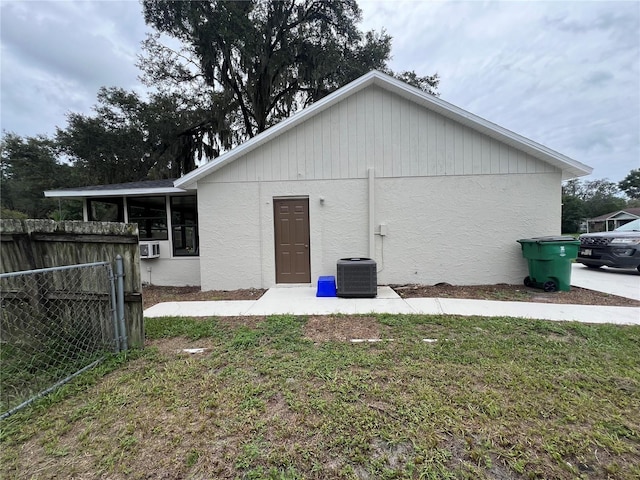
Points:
(291, 222)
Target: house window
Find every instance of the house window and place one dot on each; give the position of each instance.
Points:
(184, 225)
(105, 209)
(150, 213)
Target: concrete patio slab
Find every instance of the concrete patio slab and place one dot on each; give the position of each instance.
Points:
(542, 311)
(425, 306)
(222, 308)
(302, 300)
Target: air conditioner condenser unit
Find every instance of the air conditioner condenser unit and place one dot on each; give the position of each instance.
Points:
(357, 277)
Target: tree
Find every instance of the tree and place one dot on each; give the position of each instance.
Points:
(14, 214)
(588, 199)
(128, 139)
(573, 188)
(572, 214)
(600, 197)
(29, 167)
(251, 64)
(631, 184)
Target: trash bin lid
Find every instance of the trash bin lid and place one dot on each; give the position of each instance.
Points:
(564, 238)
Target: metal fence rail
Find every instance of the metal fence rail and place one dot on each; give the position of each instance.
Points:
(54, 324)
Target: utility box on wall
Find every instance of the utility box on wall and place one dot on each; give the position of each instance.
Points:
(357, 277)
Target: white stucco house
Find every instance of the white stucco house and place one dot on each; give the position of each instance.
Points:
(377, 169)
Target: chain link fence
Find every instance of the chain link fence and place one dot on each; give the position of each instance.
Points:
(54, 324)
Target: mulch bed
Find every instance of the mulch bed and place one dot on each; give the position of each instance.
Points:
(153, 294)
(514, 293)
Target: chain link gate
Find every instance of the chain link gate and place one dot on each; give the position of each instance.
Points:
(56, 323)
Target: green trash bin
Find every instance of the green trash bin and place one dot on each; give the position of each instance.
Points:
(549, 260)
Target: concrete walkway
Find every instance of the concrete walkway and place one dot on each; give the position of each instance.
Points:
(303, 301)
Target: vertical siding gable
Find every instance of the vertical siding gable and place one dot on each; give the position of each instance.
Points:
(376, 128)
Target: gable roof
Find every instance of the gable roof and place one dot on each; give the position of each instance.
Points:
(621, 214)
(145, 187)
(570, 168)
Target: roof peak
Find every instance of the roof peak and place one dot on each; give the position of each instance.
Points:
(570, 168)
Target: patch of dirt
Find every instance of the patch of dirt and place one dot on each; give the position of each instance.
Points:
(343, 328)
(152, 294)
(277, 408)
(177, 346)
(513, 293)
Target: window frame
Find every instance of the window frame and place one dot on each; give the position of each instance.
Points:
(146, 222)
(119, 202)
(190, 241)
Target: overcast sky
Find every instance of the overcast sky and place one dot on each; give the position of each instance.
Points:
(564, 74)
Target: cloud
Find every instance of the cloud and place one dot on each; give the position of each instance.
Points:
(564, 74)
(72, 40)
(598, 79)
(70, 51)
(34, 98)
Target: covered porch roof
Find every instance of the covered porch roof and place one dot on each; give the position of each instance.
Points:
(129, 189)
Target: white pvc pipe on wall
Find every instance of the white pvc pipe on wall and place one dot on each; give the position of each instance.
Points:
(372, 228)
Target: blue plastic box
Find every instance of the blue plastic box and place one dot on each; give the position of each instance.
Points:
(326, 286)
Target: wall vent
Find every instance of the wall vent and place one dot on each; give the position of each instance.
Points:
(149, 249)
(357, 277)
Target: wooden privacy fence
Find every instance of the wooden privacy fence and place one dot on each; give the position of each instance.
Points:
(36, 244)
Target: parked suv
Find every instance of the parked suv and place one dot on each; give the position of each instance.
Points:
(619, 248)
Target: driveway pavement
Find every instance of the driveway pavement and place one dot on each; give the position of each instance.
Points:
(615, 281)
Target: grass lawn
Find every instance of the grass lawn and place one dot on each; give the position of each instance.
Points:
(271, 398)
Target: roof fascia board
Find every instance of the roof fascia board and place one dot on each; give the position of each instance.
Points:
(130, 192)
(618, 215)
(622, 215)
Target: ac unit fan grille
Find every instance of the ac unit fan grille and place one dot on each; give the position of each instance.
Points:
(357, 277)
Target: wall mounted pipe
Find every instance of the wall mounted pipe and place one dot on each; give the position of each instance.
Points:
(372, 238)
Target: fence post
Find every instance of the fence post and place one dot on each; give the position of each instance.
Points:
(120, 302)
(114, 309)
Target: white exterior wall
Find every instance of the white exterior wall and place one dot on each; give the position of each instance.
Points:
(454, 201)
(167, 271)
(236, 220)
(462, 230)
(459, 230)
